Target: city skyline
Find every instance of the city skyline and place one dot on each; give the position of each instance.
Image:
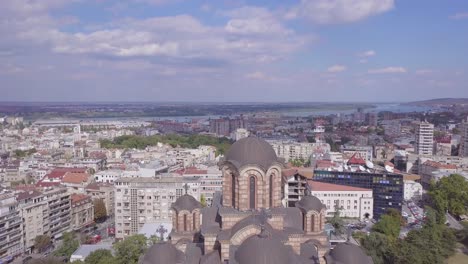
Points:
(233, 51)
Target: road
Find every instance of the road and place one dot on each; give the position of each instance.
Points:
(452, 222)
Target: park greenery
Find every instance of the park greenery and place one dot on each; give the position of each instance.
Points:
(433, 243)
(337, 222)
(190, 141)
(450, 194)
(24, 153)
(70, 244)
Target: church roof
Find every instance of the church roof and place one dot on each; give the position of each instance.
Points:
(163, 253)
(251, 151)
(309, 202)
(186, 202)
(262, 249)
(347, 253)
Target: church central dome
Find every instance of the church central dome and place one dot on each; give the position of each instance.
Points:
(252, 151)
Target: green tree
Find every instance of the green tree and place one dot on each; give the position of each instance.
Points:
(153, 239)
(203, 200)
(47, 260)
(100, 256)
(337, 222)
(379, 247)
(70, 244)
(41, 242)
(100, 211)
(129, 250)
(450, 194)
(388, 225)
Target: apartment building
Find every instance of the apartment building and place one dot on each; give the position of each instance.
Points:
(433, 171)
(82, 211)
(424, 138)
(11, 227)
(298, 150)
(464, 139)
(34, 211)
(59, 204)
(103, 191)
(211, 181)
(352, 202)
(146, 200)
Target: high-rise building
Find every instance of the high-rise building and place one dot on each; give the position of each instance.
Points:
(424, 138)
(225, 126)
(11, 227)
(59, 204)
(463, 152)
(147, 200)
(34, 211)
(387, 187)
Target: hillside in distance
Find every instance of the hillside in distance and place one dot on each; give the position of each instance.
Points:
(440, 102)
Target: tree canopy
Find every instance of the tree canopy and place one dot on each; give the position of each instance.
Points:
(191, 141)
(41, 242)
(129, 250)
(450, 194)
(100, 211)
(100, 256)
(70, 244)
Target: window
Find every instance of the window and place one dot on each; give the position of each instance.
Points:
(271, 190)
(252, 192)
(233, 190)
(185, 222)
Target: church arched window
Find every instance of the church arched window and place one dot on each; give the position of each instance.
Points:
(233, 190)
(193, 221)
(185, 222)
(252, 192)
(312, 223)
(271, 190)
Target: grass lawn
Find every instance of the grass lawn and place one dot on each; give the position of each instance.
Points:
(459, 257)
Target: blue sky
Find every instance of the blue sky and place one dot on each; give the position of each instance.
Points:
(233, 50)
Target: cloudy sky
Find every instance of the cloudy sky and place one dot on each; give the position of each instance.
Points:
(233, 50)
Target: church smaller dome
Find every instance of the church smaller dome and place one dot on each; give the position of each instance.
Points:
(261, 249)
(186, 202)
(347, 253)
(163, 253)
(310, 202)
(251, 151)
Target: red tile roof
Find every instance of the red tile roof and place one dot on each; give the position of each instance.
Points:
(58, 173)
(76, 198)
(328, 187)
(71, 177)
(356, 160)
(439, 165)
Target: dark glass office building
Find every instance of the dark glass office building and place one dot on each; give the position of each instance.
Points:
(387, 187)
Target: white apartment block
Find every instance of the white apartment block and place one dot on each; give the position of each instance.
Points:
(59, 204)
(298, 150)
(352, 201)
(35, 213)
(412, 190)
(211, 181)
(11, 227)
(424, 138)
(147, 200)
(463, 152)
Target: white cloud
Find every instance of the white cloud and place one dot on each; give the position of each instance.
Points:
(256, 75)
(368, 53)
(339, 11)
(388, 70)
(424, 71)
(336, 68)
(458, 16)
